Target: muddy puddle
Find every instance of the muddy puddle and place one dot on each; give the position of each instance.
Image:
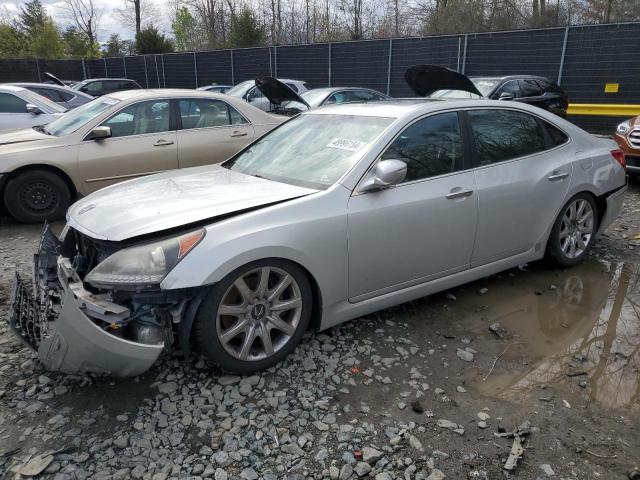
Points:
(577, 330)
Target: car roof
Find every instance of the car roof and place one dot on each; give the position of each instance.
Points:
(164, 92)
(107, 78)
(336, 89)
(11, 88)
(36, 84)
(509, 77)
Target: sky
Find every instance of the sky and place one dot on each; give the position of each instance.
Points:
(108, 24)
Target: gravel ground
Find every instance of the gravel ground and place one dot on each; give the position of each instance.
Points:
(443, 387)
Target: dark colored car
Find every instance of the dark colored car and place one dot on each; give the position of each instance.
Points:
(441, 82)
(103, 86)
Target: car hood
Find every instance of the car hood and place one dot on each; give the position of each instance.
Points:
(53, 78)
(277, 92)
(426, 79)
(174, 199)
(21, 135)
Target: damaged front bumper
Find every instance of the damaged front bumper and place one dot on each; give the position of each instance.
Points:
(61, 320)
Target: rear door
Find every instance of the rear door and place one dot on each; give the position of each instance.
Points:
(143, 141)
(211, 131)
(522, 176)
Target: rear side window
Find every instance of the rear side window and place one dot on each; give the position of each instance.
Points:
(556, 136)
(505, 134)
(12, 104)
(529, 88)
(205, 113)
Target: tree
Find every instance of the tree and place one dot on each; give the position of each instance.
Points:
(85, 16)
(77, 44)
(12, 41)
(32, 16)
(149, 40)
(185, 30)
(46, 41)
(245, 30)
(115, 47)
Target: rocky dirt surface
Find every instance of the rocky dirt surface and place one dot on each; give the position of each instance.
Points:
(536, 369)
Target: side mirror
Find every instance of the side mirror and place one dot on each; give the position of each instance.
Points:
(31, 108)
(100, 133)
(506, 96)
(385, 174)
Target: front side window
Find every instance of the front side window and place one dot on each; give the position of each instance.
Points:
(93, 88)
(505, 134)
(75, 119)
(10, 103)
(310, 150)
(511, 87)
(205, 113)
(254, 94)
(431, 146)
(140, 118)
(529, 88)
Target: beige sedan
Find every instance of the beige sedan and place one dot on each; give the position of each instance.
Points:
(118, 137)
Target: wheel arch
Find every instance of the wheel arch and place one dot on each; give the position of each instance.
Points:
(46, 167)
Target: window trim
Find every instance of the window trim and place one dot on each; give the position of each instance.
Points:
(178, 117)
(472, 140)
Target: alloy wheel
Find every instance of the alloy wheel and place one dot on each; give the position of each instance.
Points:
(577, 228)
(259, 313)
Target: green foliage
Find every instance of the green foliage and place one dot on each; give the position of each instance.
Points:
(149, 40)
(245, 30)
(12, 42)
(32, 17)
(185, 30)
(46, 41)
(116, 47)
(77, 44)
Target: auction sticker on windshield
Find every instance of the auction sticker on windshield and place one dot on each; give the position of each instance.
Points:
(346, 144)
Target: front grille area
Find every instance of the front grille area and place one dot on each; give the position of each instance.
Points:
(632, 161)
(634, 138)
(32, 311)
(85, 252)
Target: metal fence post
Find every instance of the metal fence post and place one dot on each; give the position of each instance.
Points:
(195, 68)
(275, 60)
(38, 70)
(464, 54)
(389, 66)
(164, 77)
(124, 64)
(155, 60)
(233, 78)
(564, 49)
(105, 67)
(84, 70)
(329, 64)
(270, 63)
(459, 47)
(146, 74)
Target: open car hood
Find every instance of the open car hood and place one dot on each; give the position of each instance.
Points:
(54, 79)
(174, 199)
(426, 79)
(277, 92)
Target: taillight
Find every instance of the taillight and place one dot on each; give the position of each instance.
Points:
(619, 156)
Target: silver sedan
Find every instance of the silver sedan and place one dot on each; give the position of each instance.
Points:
(335, 214)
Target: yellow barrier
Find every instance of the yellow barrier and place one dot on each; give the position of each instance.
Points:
(603, 109)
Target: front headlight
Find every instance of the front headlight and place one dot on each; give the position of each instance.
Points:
(624, 127)
(146, 264)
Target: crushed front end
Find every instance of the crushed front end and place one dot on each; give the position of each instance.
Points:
(77, 327)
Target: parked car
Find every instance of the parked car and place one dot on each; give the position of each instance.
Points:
(627, 137)
(337, 213)
(215, 88)
(118, 137)
(248, 92)
(97, 87)
(63, 96)
(441, 82)
(288, 102)
(21, 108)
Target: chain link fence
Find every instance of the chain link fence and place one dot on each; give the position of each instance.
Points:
(582, 59)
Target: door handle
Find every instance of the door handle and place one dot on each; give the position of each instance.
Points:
(239, 134)
(162, 143)
(557, 176)
(459, 194)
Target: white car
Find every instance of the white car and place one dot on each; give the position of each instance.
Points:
(22, 108)
(249, 92)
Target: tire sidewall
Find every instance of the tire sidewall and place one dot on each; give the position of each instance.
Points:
(555, 249)
(205, 321)
(15, 186)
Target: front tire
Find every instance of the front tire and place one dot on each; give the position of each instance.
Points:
(574, 231)
(37, 195)
(255, 316)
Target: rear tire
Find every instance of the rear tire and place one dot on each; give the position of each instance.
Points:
(34, 196)
(255, 316)
(574, 231)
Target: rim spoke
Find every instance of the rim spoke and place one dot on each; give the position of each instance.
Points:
(581, 206)
(265, 336)
(287, 305)
(243, 289)
(280, 288)
(585, 229)
(264, 282)
(233, 310)
(572, 211)
(580, 242)
(588, 215)
(248, 343)
(234, 331)
(281, 325)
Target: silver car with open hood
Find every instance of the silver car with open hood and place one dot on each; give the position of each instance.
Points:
(337, 213)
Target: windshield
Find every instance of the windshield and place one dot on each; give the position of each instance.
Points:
(74, 119)
(33, 97)
(311, 151)
(484, 85)
(240, 89)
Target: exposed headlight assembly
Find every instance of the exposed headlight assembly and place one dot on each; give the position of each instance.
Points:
(624, 127)
(143, 265)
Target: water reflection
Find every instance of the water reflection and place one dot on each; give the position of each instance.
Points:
(579, 330)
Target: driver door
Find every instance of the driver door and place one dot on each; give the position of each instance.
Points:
(143, 141)
(423, 228)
